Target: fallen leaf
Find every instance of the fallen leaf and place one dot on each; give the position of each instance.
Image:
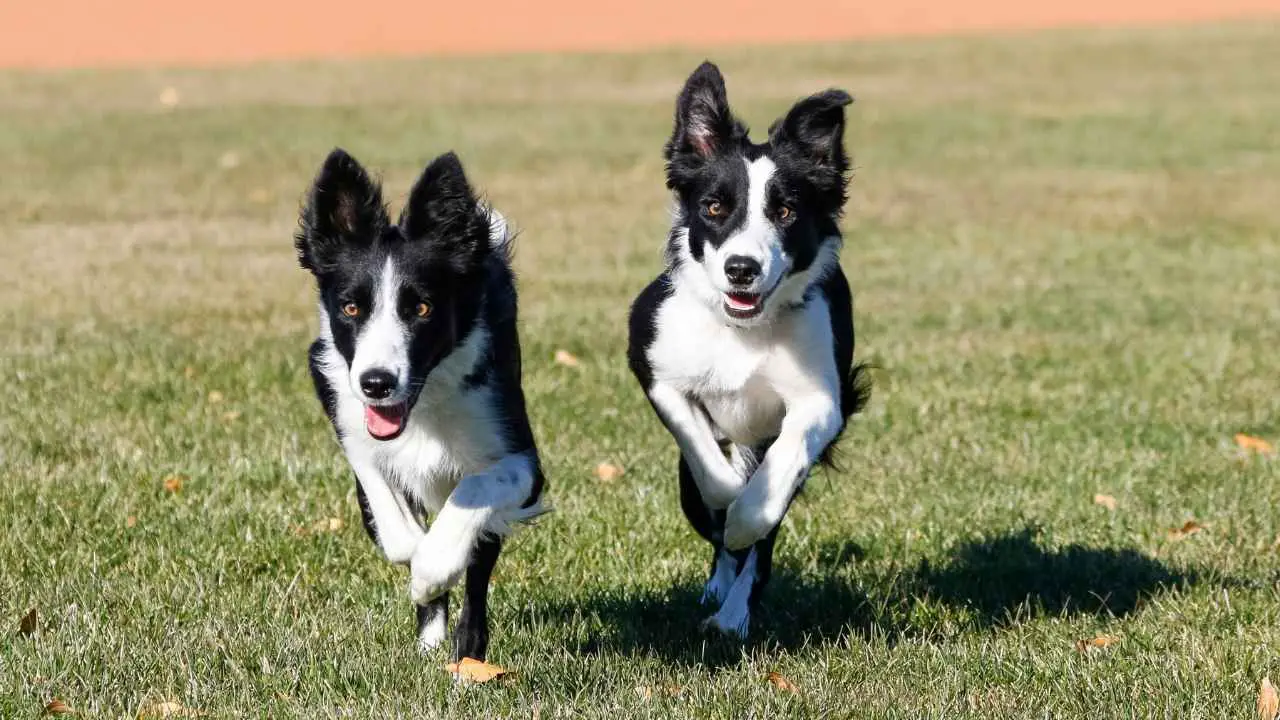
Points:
(332, 525)
(567, 359)
(608, 472)
(1258, 445)
(1098, 641)
(189, 372)
(131, 521)
(1105, 501)
(644, 691)
(229, 160)
(1268, 701)
(168, 709)
(169, 97)
(1189, 528)
(57, 707)
(231, 416)
(173, 483)
(29, 622)
(215, 397)
(262, 196)
(777, 680)
(474, 670)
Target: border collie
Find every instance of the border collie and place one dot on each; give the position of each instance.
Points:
(744, 344)
(418, 368)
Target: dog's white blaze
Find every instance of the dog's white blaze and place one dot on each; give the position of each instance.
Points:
(383, 342)
(758, 239)
(735, 614)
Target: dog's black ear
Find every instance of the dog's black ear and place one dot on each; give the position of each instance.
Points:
(344, 206)
(815, 127)
(703, 121)
(444, 212)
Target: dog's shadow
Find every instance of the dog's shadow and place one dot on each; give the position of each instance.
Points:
(1004, 580)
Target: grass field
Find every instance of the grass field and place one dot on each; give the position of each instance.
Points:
(1066, 254)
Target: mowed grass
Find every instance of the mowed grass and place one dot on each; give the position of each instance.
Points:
(1065, 253)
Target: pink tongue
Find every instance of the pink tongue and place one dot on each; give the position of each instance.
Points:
(384, 422)
(741, 301)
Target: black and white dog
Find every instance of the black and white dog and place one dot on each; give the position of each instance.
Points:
(418, 367)
(744, 344)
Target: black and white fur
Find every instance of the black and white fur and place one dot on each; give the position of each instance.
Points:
(418, 367)
(744, 344)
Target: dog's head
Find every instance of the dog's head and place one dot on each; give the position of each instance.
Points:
(759, 220)
(395, 298)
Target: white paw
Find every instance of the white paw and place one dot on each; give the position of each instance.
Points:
(735, 626)
(749, 521)
(434, 570)
(433, 633)
(717, 587)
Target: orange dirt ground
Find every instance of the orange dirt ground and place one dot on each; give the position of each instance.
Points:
(72, 33)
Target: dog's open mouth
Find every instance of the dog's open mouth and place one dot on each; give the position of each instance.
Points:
(743, 305)
(386, 422)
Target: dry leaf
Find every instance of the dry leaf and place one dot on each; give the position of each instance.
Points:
(1258, 445)
(168, 709)
(608, 472)
(644, 691)
(474, 670)
(262, 196)
(215, 397)
(29, 622)
(131, 521)
(189, 372)
(567, 359)
(57, 707)
(229, 160)
(169, 97)
(231, 416)
(173, 483)
(1268, 701)
(1105, 501)
(1190, 527)
(775, 679)
(1098, 641)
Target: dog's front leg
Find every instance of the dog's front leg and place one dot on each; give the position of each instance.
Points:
(717, 481)
(489, 503)
(397, 530)
(809, 426)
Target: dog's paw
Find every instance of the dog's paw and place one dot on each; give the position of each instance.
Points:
(733, 626)
(749, 521)
(434, 570)
(717, 587)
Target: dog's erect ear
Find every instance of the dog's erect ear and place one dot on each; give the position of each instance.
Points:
(815, 126)
(703, 121)
(444, 212)
(344, 206)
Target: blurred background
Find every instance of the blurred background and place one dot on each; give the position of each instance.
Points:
(63, 33)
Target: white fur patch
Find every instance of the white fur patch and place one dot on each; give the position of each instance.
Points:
(383, 342)
(735, 614)
(433, 632)
(717, 587)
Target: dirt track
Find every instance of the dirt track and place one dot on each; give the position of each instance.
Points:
(65, 33)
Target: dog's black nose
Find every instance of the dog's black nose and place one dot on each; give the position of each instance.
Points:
(377, 384)
(741, 270)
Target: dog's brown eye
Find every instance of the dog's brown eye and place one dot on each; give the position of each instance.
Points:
(714, 209)
(784, 213)
(351, 309)
(424, 309)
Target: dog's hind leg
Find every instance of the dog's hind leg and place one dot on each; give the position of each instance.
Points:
(433, 623)
(471, 638)
(709, 524)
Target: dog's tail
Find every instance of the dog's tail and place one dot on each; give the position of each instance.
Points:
(855, 393)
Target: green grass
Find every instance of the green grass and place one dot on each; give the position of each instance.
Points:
(1066, 258)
